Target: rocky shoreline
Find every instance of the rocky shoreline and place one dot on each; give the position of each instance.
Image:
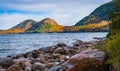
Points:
(81, 56)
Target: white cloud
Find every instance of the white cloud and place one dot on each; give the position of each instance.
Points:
(10, 20)
(61, 16)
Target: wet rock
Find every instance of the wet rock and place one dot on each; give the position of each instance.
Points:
(55, 68)
(89, 60)
(21, 60)
(59, 50)
(46, 69)
(81, 48)
(19, 56)
(6, 61)
(56, 55)
(38, 66)
(98, 38)
(57, 63)
(40, 59)
(2, 69)
(46, 56)
(51, 64)
(28, 69)
(27, 64)
(47, 49)
(78, 43)
(66, 50)
(35, 54)
(16, 67)
(43, 58)
(61, 45)
(53, 60)
(26, 54)
(67, 57)
(61, 59)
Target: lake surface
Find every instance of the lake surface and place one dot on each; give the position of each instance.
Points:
(12, 44)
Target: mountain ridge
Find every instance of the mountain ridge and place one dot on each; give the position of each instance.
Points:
(97, 21)
(21, 27)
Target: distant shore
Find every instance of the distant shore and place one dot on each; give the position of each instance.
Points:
(57, 32)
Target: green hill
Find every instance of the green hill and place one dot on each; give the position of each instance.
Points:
(20, 28)
(98, 15)
(46, 25)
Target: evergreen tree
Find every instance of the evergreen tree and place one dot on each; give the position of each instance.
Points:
(113, 41)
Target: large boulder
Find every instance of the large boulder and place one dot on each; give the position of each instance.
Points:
(88, 60)
(6, 61)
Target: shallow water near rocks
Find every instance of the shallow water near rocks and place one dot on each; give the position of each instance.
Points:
(11, 44)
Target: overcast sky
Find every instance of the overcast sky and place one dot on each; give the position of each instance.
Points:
(64, 12)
